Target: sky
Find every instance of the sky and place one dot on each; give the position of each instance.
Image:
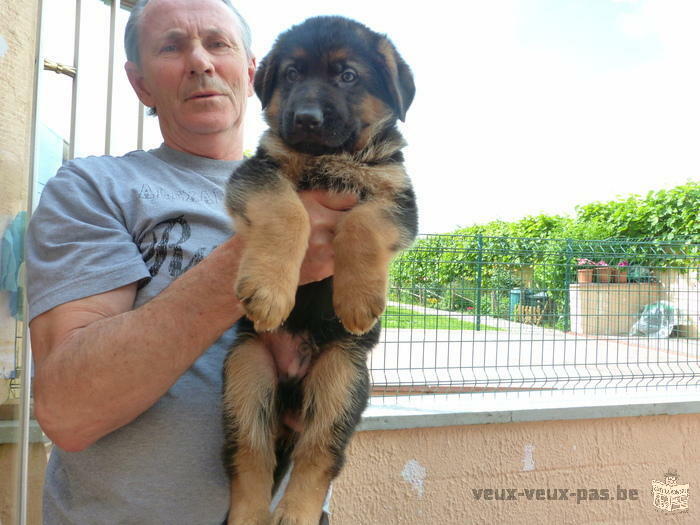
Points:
(522, 106)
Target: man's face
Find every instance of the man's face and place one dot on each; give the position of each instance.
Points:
(194, 68)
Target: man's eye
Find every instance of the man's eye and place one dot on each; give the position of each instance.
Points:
(169, 48)
(219, 43)
(292, 74)
(348, 76)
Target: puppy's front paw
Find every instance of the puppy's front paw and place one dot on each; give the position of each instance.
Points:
(267, 301)
(358, 307)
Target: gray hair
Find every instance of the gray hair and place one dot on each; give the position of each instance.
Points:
(131, 33)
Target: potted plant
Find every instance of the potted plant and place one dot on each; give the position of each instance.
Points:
(584, 270)
(603, 272)
(621, 272)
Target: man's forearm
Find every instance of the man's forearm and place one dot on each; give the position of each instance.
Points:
(105, 374)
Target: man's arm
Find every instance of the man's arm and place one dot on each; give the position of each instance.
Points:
(99, 364)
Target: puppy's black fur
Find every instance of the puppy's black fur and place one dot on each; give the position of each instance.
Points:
(332, 91)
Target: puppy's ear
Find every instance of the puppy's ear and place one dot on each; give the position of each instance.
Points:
(397, 77)
(265, 78)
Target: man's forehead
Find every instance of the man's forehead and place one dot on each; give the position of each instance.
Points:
(179, 33)
(185, 16)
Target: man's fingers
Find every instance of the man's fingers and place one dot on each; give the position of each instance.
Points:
(321, 237)
(325, 209)
(317, 265)
(330, 199)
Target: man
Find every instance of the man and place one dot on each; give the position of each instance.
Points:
(131, 267)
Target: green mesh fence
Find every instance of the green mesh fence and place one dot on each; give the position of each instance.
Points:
(476, 313)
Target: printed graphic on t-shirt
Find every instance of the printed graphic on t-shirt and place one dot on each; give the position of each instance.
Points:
(147, 192)
(165, 244)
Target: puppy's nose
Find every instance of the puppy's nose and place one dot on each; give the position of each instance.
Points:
(308, 118)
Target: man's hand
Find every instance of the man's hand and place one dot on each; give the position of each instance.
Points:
(325, 210)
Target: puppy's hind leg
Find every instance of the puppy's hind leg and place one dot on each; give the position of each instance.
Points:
(335, 394)
(250, 426)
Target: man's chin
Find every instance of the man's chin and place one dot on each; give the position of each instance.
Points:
(207, 123)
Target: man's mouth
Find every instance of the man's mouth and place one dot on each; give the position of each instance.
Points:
(203, 94)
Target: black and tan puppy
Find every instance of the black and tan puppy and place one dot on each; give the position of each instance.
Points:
(332, 91)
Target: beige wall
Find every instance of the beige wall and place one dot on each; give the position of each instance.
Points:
(609, 309)
(18, 29)
(18, 32)
(426, 476)
(612, 309)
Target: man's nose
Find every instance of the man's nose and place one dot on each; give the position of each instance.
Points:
(199, 61)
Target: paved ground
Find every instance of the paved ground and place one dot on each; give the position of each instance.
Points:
(526, 356)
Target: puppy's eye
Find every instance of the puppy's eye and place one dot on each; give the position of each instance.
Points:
(292, 74)
(348, 76)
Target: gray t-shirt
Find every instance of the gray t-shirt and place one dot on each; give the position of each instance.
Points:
(102, 223)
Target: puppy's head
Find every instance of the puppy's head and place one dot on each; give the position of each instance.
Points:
(331, 84)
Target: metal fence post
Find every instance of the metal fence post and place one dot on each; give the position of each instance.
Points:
(479, 261)
(567, 283)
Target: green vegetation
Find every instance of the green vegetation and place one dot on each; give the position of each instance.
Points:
(478, 266)
(396, 317)
(661, 215)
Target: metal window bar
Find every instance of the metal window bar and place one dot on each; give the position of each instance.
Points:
(24, 370)
(76, 80)
(74, 72)
(114, 9)
(475, 314)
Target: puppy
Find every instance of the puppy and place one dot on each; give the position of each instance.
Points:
(332, 91)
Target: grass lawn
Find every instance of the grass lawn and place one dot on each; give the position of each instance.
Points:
(395, 317)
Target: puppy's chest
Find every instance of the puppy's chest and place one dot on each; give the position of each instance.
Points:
(367, 180)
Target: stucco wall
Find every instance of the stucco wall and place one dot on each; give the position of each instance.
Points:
(609, 309)
(17, 46)
(18, 31)
(427, 476)
(612, 309)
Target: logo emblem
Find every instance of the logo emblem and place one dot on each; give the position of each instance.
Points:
(668, 495)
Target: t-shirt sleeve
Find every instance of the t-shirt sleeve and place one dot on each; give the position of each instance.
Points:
(78, 244)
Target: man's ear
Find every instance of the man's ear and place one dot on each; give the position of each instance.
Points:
(251, 77)
(133, 71)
